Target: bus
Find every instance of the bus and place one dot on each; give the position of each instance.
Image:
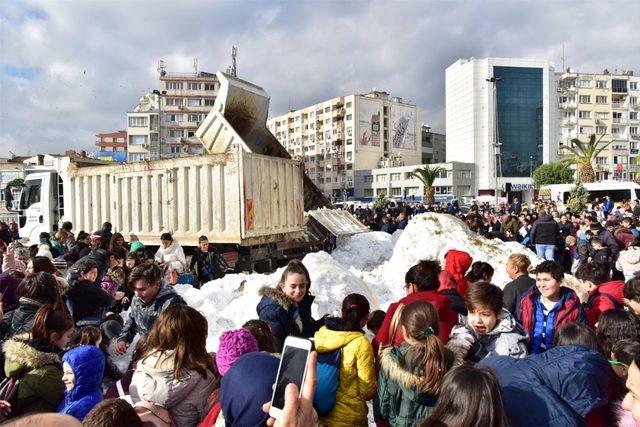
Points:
(618, 190)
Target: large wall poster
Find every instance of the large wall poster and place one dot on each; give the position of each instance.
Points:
(403, 127)
(369, 133)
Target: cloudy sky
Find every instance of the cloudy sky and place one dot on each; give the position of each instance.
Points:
(71, 69)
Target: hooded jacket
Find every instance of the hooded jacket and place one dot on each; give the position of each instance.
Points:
(357, 376)
(37, 365)
(449, 287)
(400, 398)
(569, 310)
(602, 299)
(507, 338)
(556, 388)
(448, 317)
(629, 262)
(545, 231)
(142, 316)
(281, 313)
(99, 256)
(87, 363)
(457, 263)
(184, 397)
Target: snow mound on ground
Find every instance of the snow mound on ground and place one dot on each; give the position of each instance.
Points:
(364, 251)
(372, 264)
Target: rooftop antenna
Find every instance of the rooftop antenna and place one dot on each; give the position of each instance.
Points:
(234, 68)
(161, 68)
(195, 65)
(563, 69)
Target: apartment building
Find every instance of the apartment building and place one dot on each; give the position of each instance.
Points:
(111, 146)
(143, 129)
(606, 105)
(350, 133)
(397, 183)
(164, 122)
(433, 146)
(185, 100)
(501, 117)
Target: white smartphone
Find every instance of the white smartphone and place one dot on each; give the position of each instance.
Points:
(292, 369)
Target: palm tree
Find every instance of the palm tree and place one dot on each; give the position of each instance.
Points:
(427, 175)
(583, 155)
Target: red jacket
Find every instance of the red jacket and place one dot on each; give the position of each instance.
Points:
(457, 263)
(448, 317)
(570, 311)
(598, 303)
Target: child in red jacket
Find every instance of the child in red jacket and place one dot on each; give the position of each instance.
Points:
(603, 294)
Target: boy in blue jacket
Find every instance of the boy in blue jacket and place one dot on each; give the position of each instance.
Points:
(83, 369)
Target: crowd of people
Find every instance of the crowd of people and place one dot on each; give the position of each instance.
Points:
(455, 350)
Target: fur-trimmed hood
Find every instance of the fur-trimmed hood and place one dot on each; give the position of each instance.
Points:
(408, 381)
(277, 295)
(23, 354)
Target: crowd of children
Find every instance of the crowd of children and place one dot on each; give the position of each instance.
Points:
(455, 350)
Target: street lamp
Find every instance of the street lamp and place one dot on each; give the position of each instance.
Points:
(496, 140)
(531, 166)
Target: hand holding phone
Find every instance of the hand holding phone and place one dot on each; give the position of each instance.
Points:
(298, 408)
(292, 370)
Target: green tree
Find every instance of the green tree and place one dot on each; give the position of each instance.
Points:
(381, 201)
(578, 197)
(427, 176)
(552, 173)
(583, 155)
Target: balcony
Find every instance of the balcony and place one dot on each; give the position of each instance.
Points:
(568, 89)
(619, 105)
(620, 120)
(568, 76)
(571, 105)
(635, 106)
(635, 136)
(569, 122)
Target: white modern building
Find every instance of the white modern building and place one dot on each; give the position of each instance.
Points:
(397, 183)
(343, 135)
(523, 93)
(143, 129)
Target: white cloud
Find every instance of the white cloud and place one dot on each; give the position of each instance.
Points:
(95, 59)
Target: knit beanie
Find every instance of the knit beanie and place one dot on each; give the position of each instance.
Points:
(234, 344)
(136, 246)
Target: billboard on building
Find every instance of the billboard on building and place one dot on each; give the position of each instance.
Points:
(369, 133)
(403, 127)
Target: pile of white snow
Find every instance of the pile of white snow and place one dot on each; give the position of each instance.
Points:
(372, 264)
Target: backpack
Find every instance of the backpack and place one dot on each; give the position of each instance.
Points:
(153, 415)
(616, 304)
(328, 378)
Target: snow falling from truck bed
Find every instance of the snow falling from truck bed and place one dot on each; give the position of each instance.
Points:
(372, 264)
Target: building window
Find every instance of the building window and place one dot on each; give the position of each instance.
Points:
(209, 86)
(195, 86)
(137, 121)
(138, 157)
(368, 179)
(349, 141)
(633, 116)
(633, 100)
(327, 109)
(175, 133)
(601, 130)
(585, 114)
(633, 85)
(138, 139)
(585, 99)
(348, 105)
(173, 101)
(601, 161)
(615, 131)
(381, 178)
(209, 102)
(174, 150)
(195, 117)
(588, 130)
(174, 85)
(601, 99)
(584, 83)
(602, 116)
(349, 117)
(633, 130)
(601, 84)
(194, 102)
(619, 85)
(396, 191)
(368, 192)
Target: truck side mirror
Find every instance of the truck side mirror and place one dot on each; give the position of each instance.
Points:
(11, 194)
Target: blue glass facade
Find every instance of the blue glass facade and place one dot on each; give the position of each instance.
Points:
(519, 99)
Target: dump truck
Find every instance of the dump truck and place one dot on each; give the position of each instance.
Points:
(246, 194)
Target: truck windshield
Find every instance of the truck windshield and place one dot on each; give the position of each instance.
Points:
(30, 193)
